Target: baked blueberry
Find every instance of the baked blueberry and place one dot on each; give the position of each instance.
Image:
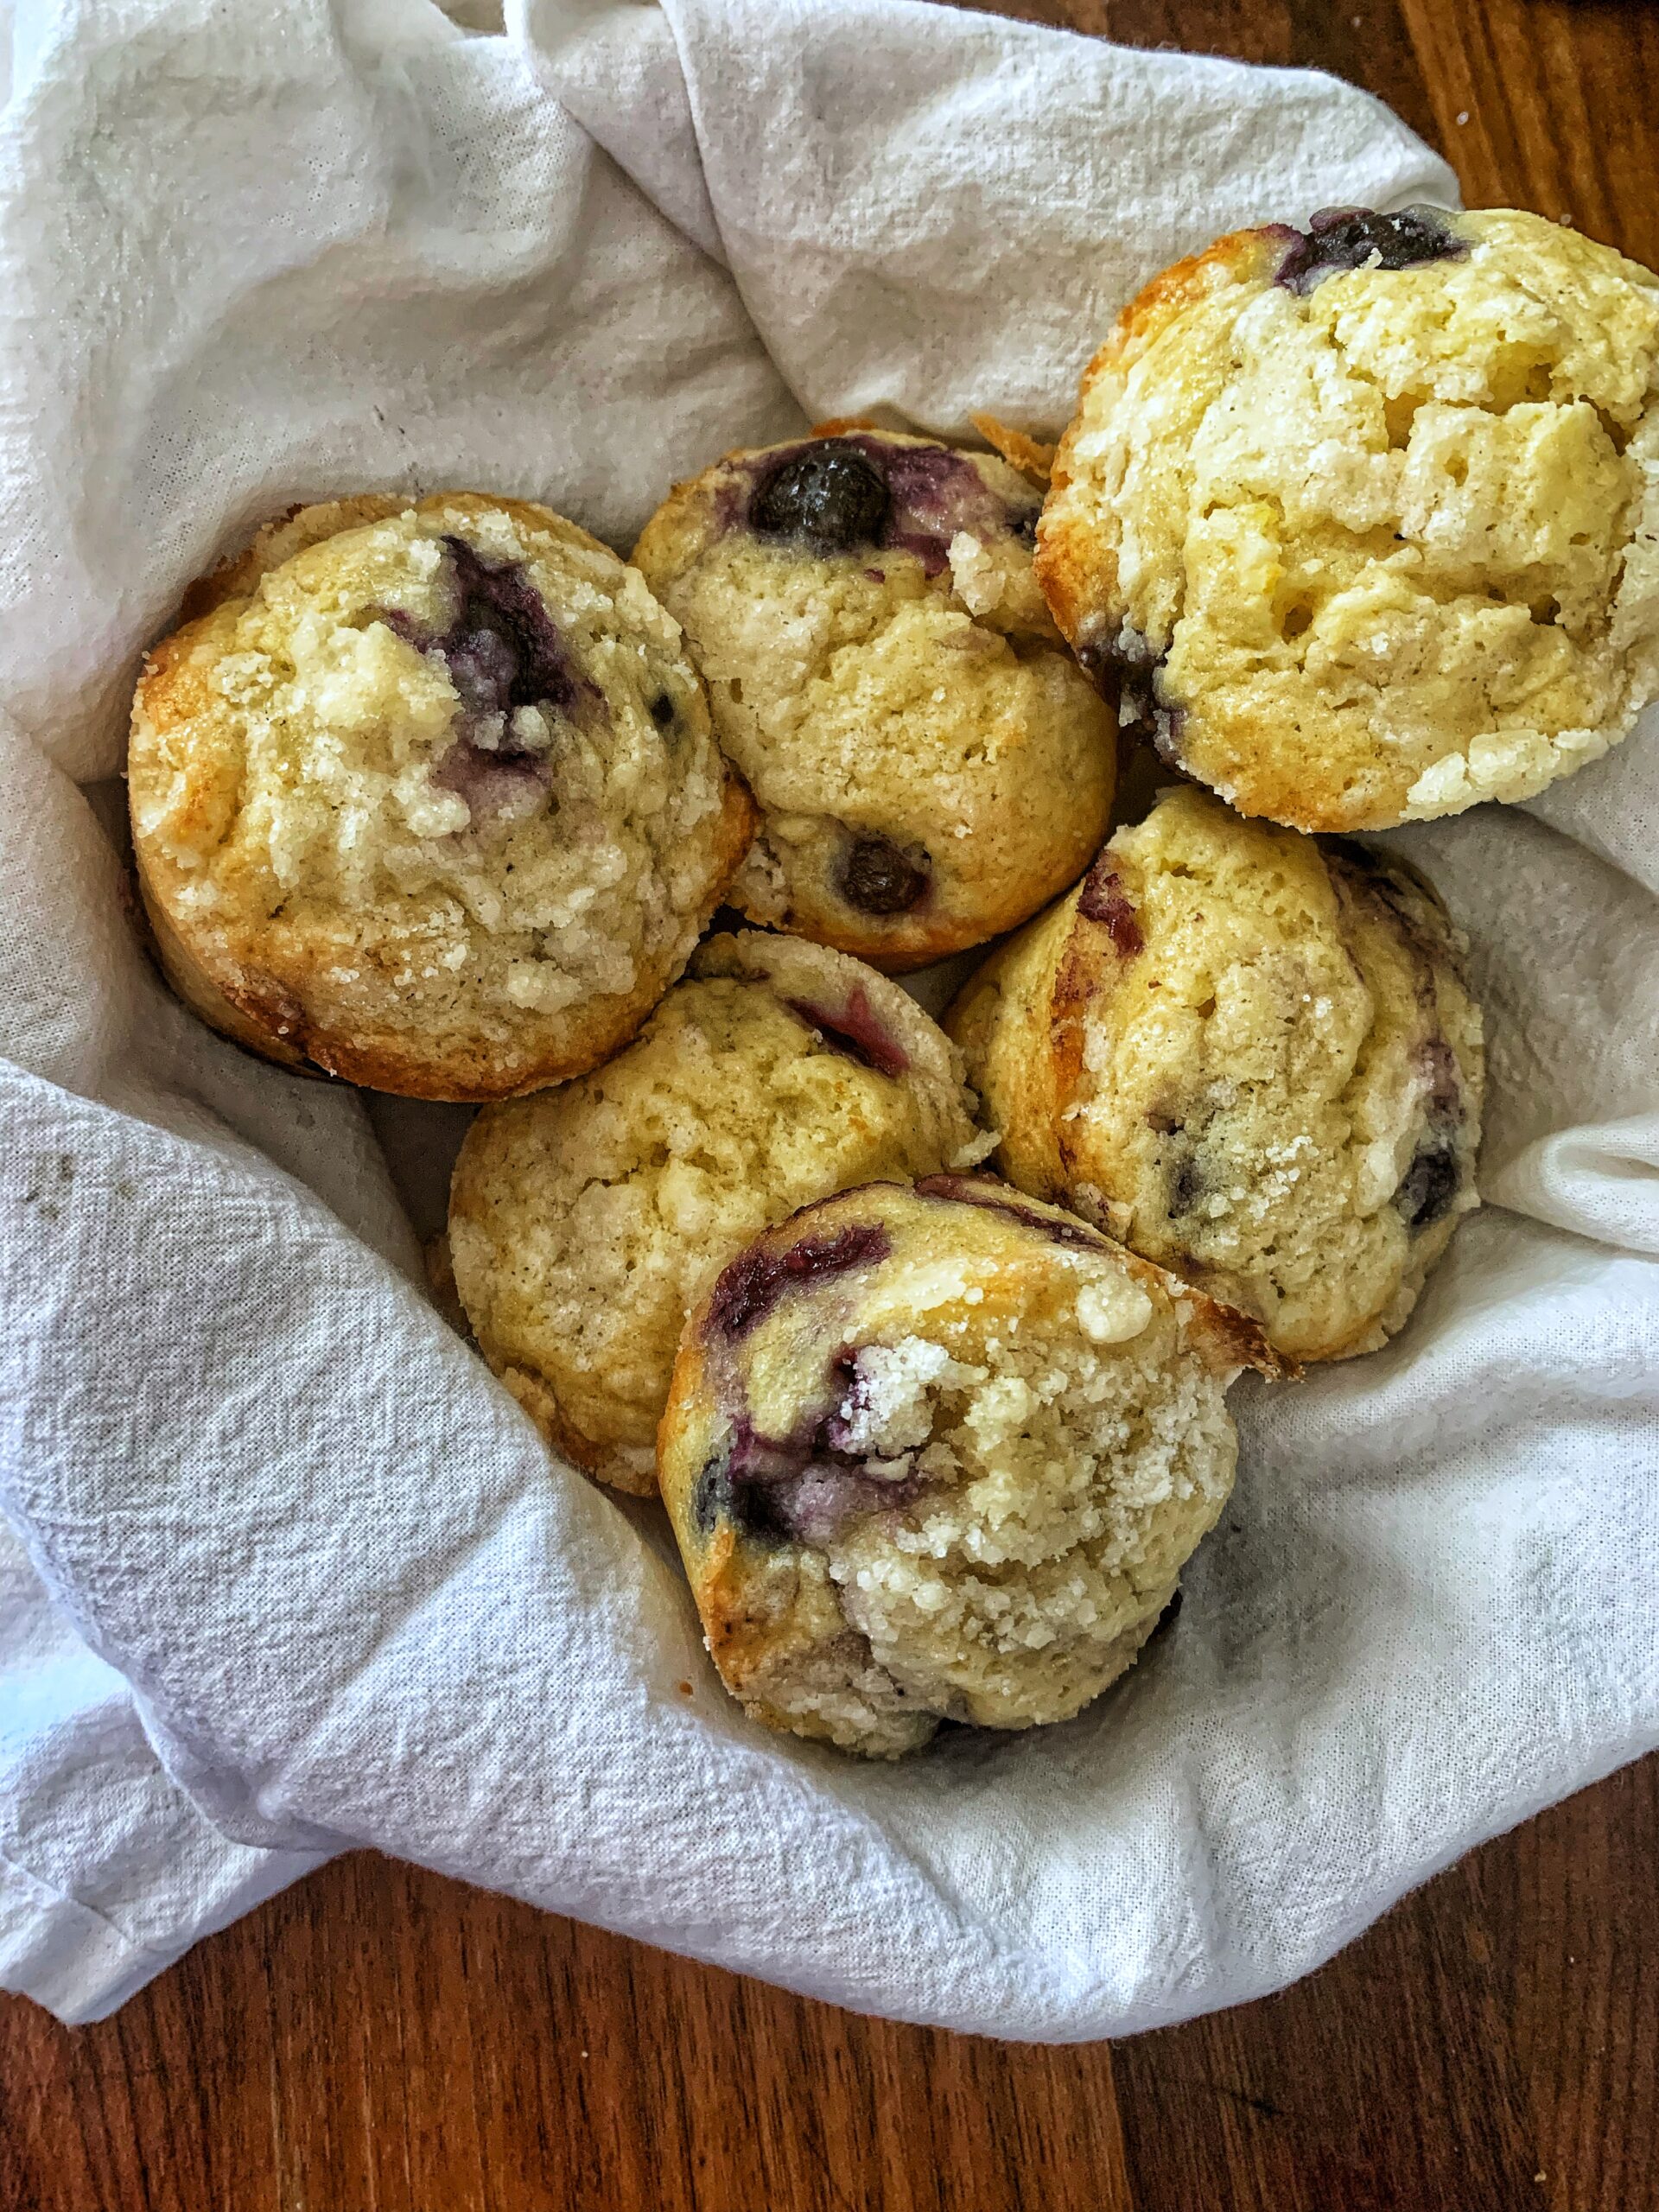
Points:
(1432, 1184)
(752, 1284)
(828, 493)
(851, 1024)
(1360, 238)
(930, 765)
(878, 878)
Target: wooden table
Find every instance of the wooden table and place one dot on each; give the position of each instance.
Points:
(382, 2038)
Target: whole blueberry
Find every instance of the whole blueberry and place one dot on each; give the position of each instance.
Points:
(877, 877)
(828, 493)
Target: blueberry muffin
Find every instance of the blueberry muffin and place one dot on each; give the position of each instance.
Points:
(941, 1453)
(586, 1223)
(426, 797)
(931, 765)
(1367, 516)
(1249, 1055)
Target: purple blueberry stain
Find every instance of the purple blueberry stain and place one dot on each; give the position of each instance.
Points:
(936, 492)
(1433, 1183)
(854, 1032)
(503, 648)
(483, 667)
(1103, 899)
(724, 1492)
(1185, 1181)
(1412, 906)
(1435, 1178)
(753, 1283)
(985, 1190)
(737, 1483)
(878, 877)
(1437, 1063)
(803, 1488)
(847, 494)
(822, 1500)
(850, 1400)
(1341, 238)
(502, 653)
(495, 784)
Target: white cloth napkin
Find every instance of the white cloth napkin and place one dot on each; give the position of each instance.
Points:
(336, 1592)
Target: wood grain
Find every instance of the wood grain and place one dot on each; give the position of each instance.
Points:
(381, 2036)
(381, 2039)
(1552, 104)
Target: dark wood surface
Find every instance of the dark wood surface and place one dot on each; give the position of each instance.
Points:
(381, 2039)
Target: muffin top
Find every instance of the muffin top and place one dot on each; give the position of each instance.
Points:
(1250, 1055)
(941, 1453)
(585, 1222)
(433, 786)
(931, 764)
(1366, 518)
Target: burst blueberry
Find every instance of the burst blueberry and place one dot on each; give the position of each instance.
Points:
(504, 644)
(1430, 1186)
(756, 1279)
(1103, 899)
(1340, 239)
(854, 1032)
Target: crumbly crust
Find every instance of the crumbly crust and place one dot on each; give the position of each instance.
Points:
(1380, 545)
(941, 1453)
(1033, 460)
(352, 868)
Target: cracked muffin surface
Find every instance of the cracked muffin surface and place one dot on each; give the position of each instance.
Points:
(586, 1222)
(425, 796)
(1367, 517)
(1249, 1054)
(941, 1453)
(930, 763)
